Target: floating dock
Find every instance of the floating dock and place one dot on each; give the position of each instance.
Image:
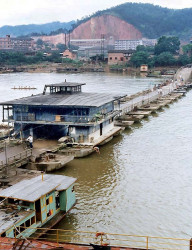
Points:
(144, 107)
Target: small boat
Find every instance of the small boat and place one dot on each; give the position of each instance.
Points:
(124, 124)
(183, 91)
(127, 117)
(21, 88)
(30, 204)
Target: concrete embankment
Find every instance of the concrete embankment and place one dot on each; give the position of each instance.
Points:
(184, 73)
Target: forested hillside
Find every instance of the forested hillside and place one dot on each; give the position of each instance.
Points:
(48, 28)
(153, 21)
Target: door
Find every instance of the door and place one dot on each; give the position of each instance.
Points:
(43, 209)
(38, 210)
(101, 129)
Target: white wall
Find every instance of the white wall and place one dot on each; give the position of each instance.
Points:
(96, 134)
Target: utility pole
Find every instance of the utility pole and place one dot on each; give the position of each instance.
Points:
(102, 47)
(69, 39)
(6, 162)
(65, 39)
(21, 125)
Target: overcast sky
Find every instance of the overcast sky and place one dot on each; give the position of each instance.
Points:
(16, 12)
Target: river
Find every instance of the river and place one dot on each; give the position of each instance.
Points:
(141, 181)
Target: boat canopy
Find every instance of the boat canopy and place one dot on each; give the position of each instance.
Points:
(31, 190)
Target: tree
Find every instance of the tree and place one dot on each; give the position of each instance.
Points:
(187, 49)
(183, 60)
(167, 44)
(55, 57)
(164, 59)
(39, 57)
(61, 47)
(139, 58)
(39, 42)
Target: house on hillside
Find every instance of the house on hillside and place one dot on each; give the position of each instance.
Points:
(24, 44)
(119, 56)
(144, 68)
(69, 54)
(63, 110)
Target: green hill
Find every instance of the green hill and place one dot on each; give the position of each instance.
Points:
(23, 30)
(153, 21)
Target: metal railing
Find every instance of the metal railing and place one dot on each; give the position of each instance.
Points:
(109, 239)
(146, 98)
(67, 118)
(15, 159)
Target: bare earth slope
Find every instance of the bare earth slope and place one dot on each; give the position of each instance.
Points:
(113, 28)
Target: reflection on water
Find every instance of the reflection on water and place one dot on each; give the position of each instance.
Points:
(141, 181)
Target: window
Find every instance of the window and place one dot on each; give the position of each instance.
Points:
(47, 202)
(3, 234)
(27, 223)
(24, 226)
(32, 220)
(50, 199)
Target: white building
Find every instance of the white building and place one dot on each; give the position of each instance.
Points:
(132, 44)
(87, 43)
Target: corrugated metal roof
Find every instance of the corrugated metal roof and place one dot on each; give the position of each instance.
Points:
(65, 84)
(78, 99)
(31, 190)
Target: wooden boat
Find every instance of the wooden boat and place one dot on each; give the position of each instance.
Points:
(183, 91)
(21, 88)
(150, 107)
(106, 140)
(135, 118)
(125, 124)
(140, 112)
(50, 162)
(33, 203)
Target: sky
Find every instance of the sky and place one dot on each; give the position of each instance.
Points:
(16, 12)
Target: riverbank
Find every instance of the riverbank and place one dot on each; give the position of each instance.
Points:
(86, 67)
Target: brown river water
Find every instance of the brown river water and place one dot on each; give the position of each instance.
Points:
(141, 182)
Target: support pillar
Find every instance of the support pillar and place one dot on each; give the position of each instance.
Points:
(190, 247)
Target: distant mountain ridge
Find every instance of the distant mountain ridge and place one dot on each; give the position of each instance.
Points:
(23, 30)
(151, 20)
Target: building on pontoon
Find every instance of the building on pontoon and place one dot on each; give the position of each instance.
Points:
(64, 110)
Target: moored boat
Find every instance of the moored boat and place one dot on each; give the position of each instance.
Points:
(30, 204)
